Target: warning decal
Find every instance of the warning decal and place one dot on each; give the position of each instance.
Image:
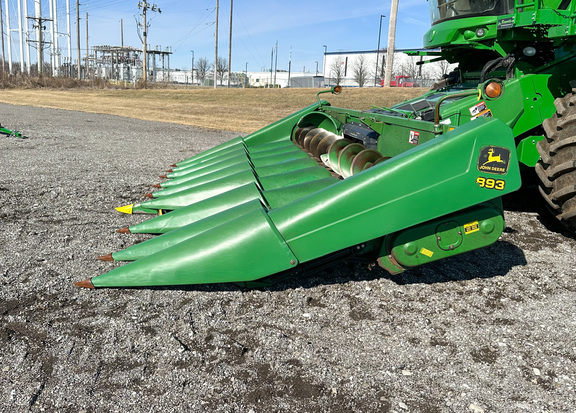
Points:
(486, 114)
(471, 227)
(414, 137)
(426, 252)
(476, 109)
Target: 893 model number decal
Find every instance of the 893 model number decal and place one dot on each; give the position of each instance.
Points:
(490, 183)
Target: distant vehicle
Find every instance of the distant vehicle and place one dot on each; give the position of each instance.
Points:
(402, 81)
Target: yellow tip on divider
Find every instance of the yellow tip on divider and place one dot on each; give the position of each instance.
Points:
(126, 209)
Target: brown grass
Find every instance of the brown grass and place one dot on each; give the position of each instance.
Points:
(241, 110)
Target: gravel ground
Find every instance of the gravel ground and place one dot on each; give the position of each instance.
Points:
(490, 331)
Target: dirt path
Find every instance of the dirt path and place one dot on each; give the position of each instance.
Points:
(490, 331)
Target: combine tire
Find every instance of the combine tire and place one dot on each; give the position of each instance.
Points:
(557, 166)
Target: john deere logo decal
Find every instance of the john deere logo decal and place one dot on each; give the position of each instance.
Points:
(494, 160)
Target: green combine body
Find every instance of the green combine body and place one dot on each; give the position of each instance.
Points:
(401, 186)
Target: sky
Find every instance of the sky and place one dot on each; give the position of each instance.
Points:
(300, 28)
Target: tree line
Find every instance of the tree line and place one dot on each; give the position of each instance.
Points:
(203, 67)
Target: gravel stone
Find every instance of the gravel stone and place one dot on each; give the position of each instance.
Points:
(472, 327)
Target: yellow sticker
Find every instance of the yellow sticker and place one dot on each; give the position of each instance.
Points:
(471, 227)
(426, 252)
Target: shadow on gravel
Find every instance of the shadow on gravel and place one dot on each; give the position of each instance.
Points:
(492, 261)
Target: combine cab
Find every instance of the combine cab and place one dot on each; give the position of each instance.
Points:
(402, 186)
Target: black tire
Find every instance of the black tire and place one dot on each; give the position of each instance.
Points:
(557, 165)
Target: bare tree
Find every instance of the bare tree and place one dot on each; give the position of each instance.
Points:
(221, 68)
(337, 70)
(202, 68)
(382, 68)
(411, 69)
(360, 71)
(442, 68)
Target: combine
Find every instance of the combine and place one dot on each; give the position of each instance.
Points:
(400, 186)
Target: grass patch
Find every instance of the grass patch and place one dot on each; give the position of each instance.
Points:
(240, 110)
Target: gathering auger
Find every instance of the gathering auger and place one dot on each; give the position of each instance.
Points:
(402, 186)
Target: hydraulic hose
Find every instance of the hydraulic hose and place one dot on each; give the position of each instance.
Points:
(442, 99)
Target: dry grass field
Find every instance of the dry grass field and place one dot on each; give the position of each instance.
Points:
(240, 110)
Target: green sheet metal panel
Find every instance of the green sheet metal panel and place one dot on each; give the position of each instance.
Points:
(196, 194)
(245, 249)
(221, 149)
(202, 209)
(431, 180)
(449, 235)
(280, 130)
(184, 232)
(239, 174)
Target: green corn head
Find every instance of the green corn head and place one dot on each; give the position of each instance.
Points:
(404, 186)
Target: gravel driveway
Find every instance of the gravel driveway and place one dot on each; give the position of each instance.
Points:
(490, 331)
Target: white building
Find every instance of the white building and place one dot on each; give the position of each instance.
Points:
(282, 79)
(340, 67)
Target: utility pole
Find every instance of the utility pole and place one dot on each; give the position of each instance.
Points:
(39, 26)
(87, 48)
(192, 71)
(69, 71)
(78, 59)
(378, 49)
(51, 51)
(216, 46)
(290, 66)
(145, 6)
(324, 64)
(2, 37)
(55, 48)
(9, 34)
(230, 45)
(20, 38)
(276, 63)
(27, 33)
(391, 41)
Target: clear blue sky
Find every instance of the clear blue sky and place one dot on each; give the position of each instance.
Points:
(303, 25)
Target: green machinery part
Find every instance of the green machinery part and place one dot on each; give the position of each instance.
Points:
(400, 200)
(402, 186)
(8, 132)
